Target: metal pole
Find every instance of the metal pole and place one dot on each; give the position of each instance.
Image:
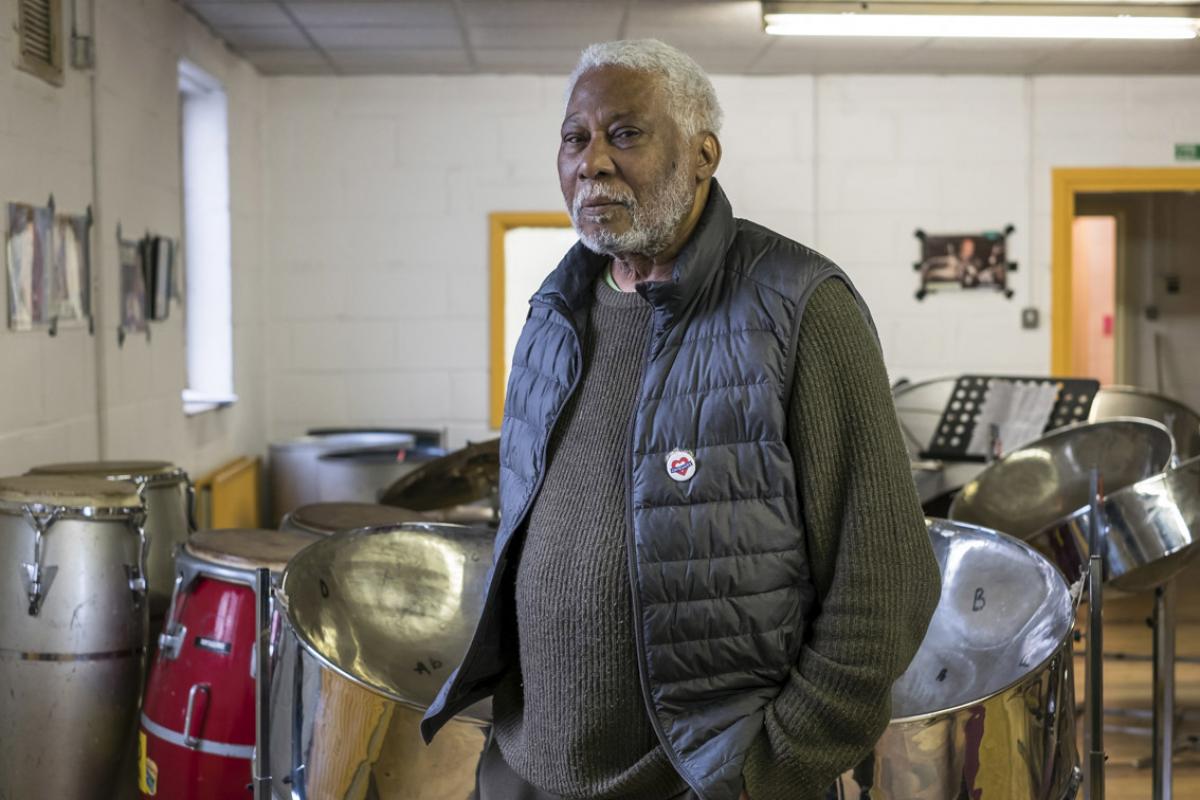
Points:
(1094, 735)
(1164, 689)
(262, 686)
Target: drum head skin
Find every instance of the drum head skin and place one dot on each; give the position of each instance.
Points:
(1004, 610)
(330, 518)
(392, 610)
(108, 469)
(1044, 482)
(248, 548)
(73, 491)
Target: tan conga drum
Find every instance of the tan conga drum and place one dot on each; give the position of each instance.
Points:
(326, 519)
(374, 622)
(167, 494)
(72, 633)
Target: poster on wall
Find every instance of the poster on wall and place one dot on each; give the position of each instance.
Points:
(29, 256)
(964, 261)
(133, 288)
(159, 255)
(48, 264)
(72, 269)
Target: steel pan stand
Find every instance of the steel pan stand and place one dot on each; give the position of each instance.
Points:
(262, 685)
(1093, 786)
(1163, 745)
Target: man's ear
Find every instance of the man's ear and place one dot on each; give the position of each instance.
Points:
(708, 156)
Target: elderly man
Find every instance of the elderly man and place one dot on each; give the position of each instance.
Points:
(712, 564)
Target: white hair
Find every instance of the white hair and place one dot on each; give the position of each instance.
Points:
(690, 94)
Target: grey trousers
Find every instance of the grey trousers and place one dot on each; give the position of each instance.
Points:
(495, 780)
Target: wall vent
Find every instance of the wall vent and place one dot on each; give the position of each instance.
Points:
(39, 26)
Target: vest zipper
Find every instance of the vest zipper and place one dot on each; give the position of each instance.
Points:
(495, 587)
(631, 552)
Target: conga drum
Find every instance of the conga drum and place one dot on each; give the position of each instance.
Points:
(987, 707)
(72, 633)
(326, 519)
(166, 491)
(196, 740)
(374, 620)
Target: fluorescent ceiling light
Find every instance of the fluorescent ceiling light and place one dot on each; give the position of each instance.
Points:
(981, 27)
(1022, 20)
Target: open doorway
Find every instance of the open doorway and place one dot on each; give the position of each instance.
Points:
(1127, 278)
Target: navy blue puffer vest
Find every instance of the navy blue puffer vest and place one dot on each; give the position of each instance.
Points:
(717, 562)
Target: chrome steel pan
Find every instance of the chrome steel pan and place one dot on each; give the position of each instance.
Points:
(986, 709)
(1129, 401)
(1040, 493)
(375, 622)
(1150, 529)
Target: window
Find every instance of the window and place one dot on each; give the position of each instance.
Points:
(206, 247)
(39, 23)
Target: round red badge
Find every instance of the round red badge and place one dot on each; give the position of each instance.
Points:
(681, 465)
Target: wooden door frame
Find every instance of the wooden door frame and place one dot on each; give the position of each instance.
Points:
(499, 224)
(1066, 183)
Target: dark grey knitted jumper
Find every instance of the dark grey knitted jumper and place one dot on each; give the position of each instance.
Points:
(572, 721)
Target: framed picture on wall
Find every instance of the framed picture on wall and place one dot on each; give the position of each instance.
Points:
(133, 288)
(160, 257)
(964, 261)
(29, 265)
(72, 269)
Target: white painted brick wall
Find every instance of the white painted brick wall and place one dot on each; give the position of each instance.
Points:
(378, 191)
(78, 397)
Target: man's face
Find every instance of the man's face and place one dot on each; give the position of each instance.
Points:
(625, 171)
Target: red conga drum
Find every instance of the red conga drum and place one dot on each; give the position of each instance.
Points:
(196, 740)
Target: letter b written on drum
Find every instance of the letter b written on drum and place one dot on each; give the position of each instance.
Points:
(980, 601)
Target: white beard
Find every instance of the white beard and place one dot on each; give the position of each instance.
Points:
(653, 223)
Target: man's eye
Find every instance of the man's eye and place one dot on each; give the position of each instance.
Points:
(572, 138)
(626, 134)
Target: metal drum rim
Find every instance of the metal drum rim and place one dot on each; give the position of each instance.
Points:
(1063, 431)
(86, 513)
(173, 475)
(281, 599)
(1125, 388)
(1033, 672)
(243, 576)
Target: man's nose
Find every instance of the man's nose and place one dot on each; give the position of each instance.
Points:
(596, 160)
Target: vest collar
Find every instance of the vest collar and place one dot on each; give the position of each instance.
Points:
(570, 284)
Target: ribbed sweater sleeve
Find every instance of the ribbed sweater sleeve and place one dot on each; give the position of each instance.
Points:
(871, 561)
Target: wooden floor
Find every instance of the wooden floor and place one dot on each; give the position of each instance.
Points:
(1128, 685)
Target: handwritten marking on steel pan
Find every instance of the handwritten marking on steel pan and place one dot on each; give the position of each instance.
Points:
(421, 669)
(980, 600)
(942, 675)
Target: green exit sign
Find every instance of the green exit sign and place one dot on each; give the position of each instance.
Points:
(1187, 152)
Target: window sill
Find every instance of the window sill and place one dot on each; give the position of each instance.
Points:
(199, 402)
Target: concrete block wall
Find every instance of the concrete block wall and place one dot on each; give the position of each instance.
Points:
(81, 397)
(378, 191)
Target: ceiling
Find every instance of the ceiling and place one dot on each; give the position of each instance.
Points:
(336, 37)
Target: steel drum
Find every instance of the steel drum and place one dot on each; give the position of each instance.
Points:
(166, 491)
(919, 408)
(1150, 528)
(375, 621)
(326, 519)
(986, 709)
(72, 634)
(1129, 401)
(299, 476)
(1041, 492)
(464, 476)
